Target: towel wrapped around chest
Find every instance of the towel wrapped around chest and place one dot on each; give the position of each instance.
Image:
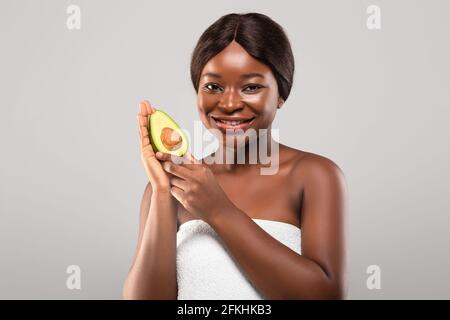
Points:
(206, 270)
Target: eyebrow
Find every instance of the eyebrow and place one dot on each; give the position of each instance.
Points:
(244, 76)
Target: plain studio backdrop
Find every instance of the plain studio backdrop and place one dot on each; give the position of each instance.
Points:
(376, 102)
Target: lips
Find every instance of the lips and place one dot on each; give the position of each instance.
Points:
(233, 123)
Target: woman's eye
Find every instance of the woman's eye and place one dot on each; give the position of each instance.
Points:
(253, 87)
(211, 87)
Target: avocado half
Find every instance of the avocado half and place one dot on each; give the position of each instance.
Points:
(166, 135)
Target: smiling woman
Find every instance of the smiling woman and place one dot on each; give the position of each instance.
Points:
(220, 229)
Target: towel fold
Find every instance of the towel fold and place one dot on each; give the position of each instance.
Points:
(205, 269)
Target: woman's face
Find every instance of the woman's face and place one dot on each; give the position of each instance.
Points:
(231, 90)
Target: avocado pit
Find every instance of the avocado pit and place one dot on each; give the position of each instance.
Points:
(170, 138)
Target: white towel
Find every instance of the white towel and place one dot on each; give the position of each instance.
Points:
(205, 269)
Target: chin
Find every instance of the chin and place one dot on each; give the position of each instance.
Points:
(237, 142)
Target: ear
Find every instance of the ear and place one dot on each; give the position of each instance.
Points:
(280, 103)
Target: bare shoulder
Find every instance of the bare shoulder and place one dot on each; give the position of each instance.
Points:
(324, 190)
(317, 164)
(308, 167)
(324, 186)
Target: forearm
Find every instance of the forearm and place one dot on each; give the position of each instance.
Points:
(276, 270)
(153, 274)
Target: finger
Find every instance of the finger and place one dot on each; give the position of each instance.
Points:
(163, 156)
(177, 193)
(190, 161)
(146, 108)
(176, 170)
(139, 129)
(180, 183)
(149, 107)
(142, 121)
(143, 108)
(144, 140)
(143, 124)
(187, 160)
(191, 158)
(142, 127)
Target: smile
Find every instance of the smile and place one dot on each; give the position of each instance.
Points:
(234, 124)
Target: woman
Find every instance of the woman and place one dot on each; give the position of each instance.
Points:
(239, 230)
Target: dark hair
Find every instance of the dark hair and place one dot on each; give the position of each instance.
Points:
(259, 35)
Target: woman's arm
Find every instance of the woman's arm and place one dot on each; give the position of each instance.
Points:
(277, 271)
(153, 272)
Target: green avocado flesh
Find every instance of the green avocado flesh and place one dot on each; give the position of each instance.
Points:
(166, 135)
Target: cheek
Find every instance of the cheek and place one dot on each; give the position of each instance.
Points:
(264, 100)
(204, 106)
(266, 103)
(206, 102)
(257, 99)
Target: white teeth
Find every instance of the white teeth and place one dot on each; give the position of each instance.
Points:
(232, 123)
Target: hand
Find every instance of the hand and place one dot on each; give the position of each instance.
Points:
(194, 185)
(157, 176)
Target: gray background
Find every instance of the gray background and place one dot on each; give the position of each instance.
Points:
(71, 181)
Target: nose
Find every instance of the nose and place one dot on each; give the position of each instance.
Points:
(231, 101)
